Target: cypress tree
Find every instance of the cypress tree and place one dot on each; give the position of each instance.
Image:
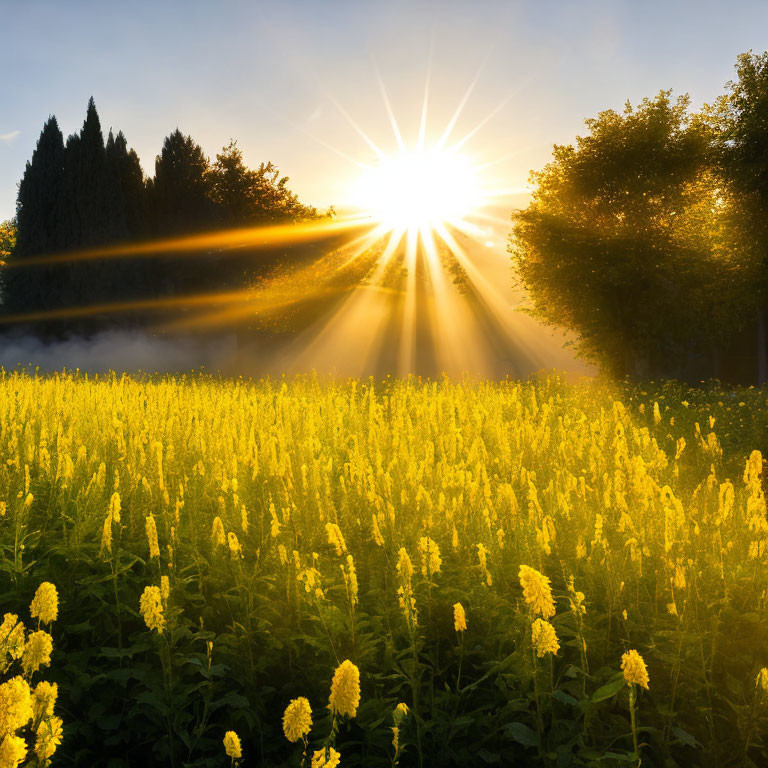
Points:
(180, 193)
(38, 218)
(127, 177)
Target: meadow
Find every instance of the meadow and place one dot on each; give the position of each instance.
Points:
(421, 573)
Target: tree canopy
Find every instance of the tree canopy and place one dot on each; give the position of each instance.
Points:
(639, 241)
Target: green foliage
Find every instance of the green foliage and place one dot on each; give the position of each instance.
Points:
(7, 239)
(637, 243)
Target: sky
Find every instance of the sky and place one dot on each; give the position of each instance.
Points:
(287, 79)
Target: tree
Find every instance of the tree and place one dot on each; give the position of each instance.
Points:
(38, 220)
(742, 116)
(634, 241)
(181, 187)
(129, 188)
(245, 196)
(7, 239)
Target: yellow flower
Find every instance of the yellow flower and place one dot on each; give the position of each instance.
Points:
(15, 705)
(106, 536)
(459, 617)
(377, 537)
(45, 603)
(544, 638)
(633, 666)
(350, 579)
(44, 699)
(114, 507)
(151, 527)
(322, 760)
(430, 556)
(404, 564)
(335, 538)
(49, 735)
(151, 607)
(165, 587)
(297, 719)
(37, 652)
(12, 636)
(345, 690)
(762, 680)
(576, 599)
(235, 550)
(400, 713)
(218, 537)
(232, 745)
(537, 591)
(12, 751)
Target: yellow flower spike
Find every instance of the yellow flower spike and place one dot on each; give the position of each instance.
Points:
(37, 652)
(45, 604)
(218, 537)
(544, 638)
(48, 738)
(430, 556)
(151, 607)
(459, 618)
(44, 699)
(537, 591)
(16, 708)
(235, 550)
(762, 680)
(400, 713)
(633, 666)
(336, 538)
(151, 528)
(232, 745)
(165, 587)
(297, 719)
(345, 690)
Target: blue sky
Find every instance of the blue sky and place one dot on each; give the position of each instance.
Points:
(268, 74)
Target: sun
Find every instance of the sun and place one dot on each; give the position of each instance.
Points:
(419, 189)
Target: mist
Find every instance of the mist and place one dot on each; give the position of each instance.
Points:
(122, 351)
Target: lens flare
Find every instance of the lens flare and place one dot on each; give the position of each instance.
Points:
(420, 188)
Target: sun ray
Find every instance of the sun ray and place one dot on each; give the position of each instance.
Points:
(460, 108)
(224, 240)
(408, 327)
(390, 111)
(365, 137)
(462, 141)
(423, 121)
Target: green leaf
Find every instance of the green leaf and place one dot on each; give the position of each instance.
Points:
(608, 690)
(685, 738)
(522, 734)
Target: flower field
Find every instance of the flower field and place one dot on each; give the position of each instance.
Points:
(306, 572)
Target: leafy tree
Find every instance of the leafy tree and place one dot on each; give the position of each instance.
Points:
(742, 119)
(636, 243)
(246, 196)
(7, 238)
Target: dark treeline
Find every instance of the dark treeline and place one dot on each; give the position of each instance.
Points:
(89, 192)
